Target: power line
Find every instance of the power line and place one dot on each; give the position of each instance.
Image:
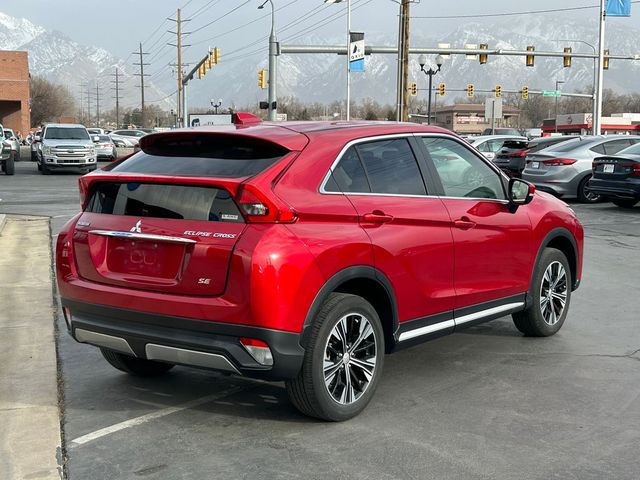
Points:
(203, 8)
(221, 17)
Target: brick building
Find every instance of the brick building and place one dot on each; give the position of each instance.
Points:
(14, 91)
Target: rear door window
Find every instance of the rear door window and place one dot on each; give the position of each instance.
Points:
(614, 146)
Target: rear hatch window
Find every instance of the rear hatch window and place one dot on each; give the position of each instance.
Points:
(222, 156)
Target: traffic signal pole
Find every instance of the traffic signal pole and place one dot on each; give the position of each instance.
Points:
(597, 118)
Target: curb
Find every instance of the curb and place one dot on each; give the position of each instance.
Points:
(3, 220)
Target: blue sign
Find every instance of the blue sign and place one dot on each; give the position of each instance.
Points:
(618, 8)
(356, 65)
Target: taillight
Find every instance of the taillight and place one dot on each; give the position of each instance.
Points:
(635, 172)
(257, 208)
(83, 194)
(521, 153)
(556, 162)
(258, 349)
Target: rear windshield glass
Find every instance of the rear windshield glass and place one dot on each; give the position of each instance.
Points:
(566, 146)
(224, 156)
(164, 201)
(634, 149)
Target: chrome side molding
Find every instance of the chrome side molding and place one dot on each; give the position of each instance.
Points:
(142, 236)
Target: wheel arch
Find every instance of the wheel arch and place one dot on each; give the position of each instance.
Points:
(368, 283)
(562, 239)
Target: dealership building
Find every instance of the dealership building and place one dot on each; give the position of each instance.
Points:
(14, 91)
(581, 124)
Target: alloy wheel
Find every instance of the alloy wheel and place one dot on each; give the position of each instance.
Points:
(350, 358)
(553, 293)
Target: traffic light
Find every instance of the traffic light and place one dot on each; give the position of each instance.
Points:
(566, 60)
(262, 79)
(442, 88)
(216, 56)
(605, 60)
(498, 91)
(530, 58)
(525, 92)
(413, 89)
(470, 90)
(483, 56)
(202, 70)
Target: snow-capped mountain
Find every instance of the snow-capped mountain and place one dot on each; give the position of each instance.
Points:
(58, 58)
(321, 78)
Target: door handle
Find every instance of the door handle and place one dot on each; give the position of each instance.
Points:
(376, 217)
(464, 223)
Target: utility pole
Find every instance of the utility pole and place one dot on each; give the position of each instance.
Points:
(117, 95)
(142, 75)
(97, 105)
(402, 96)
(179, 45)
(82, 87)
(88, 104)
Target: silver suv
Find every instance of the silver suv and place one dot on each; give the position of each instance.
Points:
(66, 147)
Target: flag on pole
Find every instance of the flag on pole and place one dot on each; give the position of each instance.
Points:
(618, 8)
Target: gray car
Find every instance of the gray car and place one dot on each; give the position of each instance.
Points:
(105, 148)
(13, 140)
(129, 138)
(565, 169)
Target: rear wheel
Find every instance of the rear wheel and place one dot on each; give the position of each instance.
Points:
(625, 203)
(585, 195)
(135, 366)
(343, 360)
(551, 294)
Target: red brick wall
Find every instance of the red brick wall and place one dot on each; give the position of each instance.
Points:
(14, 91)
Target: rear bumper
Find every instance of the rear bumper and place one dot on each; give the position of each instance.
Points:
(184, 341)
(616, 188)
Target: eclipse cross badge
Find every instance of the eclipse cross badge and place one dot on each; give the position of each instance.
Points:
(137, 228)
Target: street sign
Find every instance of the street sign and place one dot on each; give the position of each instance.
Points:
(618, 8)
(551, 93)
(493, 108)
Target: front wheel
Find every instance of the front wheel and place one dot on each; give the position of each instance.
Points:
(135, 366)
(9, 166)
(343, 360)
(551, 295)
(625, 203)
(585, 195)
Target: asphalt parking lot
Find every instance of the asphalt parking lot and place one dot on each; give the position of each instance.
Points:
(485, 403)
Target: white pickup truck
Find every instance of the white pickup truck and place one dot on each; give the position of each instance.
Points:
(65, 147)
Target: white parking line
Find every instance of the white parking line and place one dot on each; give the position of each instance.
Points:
(150, 416)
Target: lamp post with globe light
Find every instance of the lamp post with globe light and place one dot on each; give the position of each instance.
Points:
(422, 60)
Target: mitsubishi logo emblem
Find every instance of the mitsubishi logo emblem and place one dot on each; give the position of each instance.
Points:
(137, 228)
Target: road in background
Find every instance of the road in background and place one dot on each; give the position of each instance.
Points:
(485, 403)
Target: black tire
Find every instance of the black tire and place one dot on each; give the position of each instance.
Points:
(308, 391)
(584, 194)
(44, 169)
(625, 203)
(135, 366)
(34, 156)
(9, 166)
(533, 321)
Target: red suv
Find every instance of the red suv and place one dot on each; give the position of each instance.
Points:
(306, 251)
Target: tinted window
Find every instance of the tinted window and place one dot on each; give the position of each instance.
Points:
(105, 138)
(597, 149)
(348, 175)
(462, 173)
(567, 146)
(227, 156)
(164, 201)
(614, 146)
(635, 149)
(391, 167)
(66, 133)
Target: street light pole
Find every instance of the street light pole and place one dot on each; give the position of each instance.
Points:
(216, 105)
(348, 106)
(422, 60)
(273, 64)
(597, 119)
(558, 82)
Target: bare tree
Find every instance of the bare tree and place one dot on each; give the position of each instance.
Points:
(50, 101)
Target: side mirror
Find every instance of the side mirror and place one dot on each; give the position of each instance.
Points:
(38, 138)
(520, 193)
(96, 139)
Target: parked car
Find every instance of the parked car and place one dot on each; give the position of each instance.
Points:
(129, 138)
(66, 147)
(35, 145)
(7, 154)
(617, 177)
(502, 131)
(511, 158)
(105, 148)
(305, 251)
(565, 169)
(488, 145)
(10, 136)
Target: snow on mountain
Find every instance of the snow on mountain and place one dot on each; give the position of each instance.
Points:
(58, 58)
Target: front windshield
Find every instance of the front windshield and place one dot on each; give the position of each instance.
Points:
(66, 133)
